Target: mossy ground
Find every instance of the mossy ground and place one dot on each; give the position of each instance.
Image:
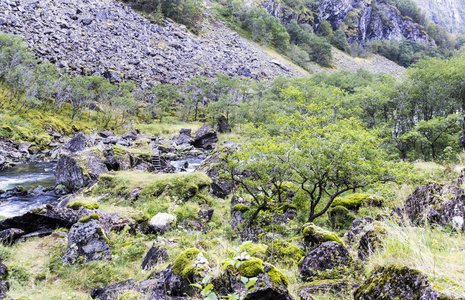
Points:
(39, 273)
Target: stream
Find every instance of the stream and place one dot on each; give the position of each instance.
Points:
(192, 164)
(29, 176)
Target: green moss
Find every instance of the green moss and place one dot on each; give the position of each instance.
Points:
(251, 268)
(89, 218)
(356, 200)
(316, 235)
(285, 206)
(262, 284)
(340, 217)
(241, 207)
(182, 264)
(276, 276)
(77, 205)
(284, 252)
(103, 235)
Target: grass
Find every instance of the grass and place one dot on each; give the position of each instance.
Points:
(437, 252)
(167, 128)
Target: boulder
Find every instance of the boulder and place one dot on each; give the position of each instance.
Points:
(357, 227)
(270, 284)
(106, 134)
(8, 236)
(206, 214)
(162, 222)
(327, 256)
(116, 290)
(156, 255)
(436, 203)
(212, 166)
(4, 285)
(222, 124)
(205, 138)
(111, 163)
(87, 241)
(184, 137)
(76, 144)
(315, 236)
(78, 171)
(395, 282)
(238, 207)
(131, 135)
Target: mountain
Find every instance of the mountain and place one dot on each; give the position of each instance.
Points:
(447, 13)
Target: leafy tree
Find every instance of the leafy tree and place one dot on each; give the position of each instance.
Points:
(340, 40)
(325, 30)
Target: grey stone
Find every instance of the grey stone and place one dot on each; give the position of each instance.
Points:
(156, 255)
(87, 241)
(161, 222)
(327, 256)
(76, 144)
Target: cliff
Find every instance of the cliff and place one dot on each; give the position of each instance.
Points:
(362, 20)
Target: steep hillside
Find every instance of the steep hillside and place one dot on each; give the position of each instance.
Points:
(447, 13)
(107, 38)
(361, 20)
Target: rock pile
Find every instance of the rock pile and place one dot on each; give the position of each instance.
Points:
(109, 39)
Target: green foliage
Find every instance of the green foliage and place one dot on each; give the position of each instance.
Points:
(340, 217)
(187, 12)
(340, 40)
(284, 252)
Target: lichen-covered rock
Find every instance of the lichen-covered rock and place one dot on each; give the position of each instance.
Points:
(8, 236)
(395, 282)
(436, 203)
(156, 255)
(213, 167)
(205, 138)
(184, 138)
(222, 124)
(162, 222)
(4, 285)
(111, 163)
(87, 241)
(314, 235)
(327, 256)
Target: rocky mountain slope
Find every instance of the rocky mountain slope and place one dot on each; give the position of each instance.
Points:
(363, 20)
(447, 13)
(107, 38)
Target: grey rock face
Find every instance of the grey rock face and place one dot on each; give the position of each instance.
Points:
(87, 241)
(109, 39)
(437, 203)
(184, 138)
(327, 256)
(236, 215)
(393, 282)
(156, 255)
(114, 291)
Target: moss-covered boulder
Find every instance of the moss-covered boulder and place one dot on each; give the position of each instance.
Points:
(328, 256)
(314, 236)
(285, 252)
(270, 284)
(191, 263)
(396, 283)
(340, 217)
(437, 203)
(239, 207)
(356, 200)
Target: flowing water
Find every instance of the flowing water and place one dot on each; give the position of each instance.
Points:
(28, 176)
(192, 164)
